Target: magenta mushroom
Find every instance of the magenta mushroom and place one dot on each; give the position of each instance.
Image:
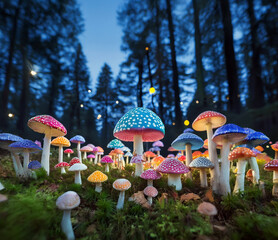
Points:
(150, 175)
(106, 159)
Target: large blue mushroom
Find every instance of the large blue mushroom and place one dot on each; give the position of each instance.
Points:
(78, 140)
(226, 136)
(139, 125)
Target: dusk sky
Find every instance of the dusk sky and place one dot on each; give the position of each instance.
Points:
(102, 36)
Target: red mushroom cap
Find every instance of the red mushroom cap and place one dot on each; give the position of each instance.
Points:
(182, 158)
(44, 123)
(150, 174)
(68, 150)
(271, 165)
(274, 146)
(172, 166)
(106, 159)
(149, 154)
(214, 118)
(150, 191)
(62, 164)
(74, 161)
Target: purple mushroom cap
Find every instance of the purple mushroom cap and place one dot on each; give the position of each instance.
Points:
(91, 156)
(172, 166)
(77, 139)
(91, 145)
(26, 144)
(137, 159)
(150, 174)
(38, 143)
(158, 144)
(34, 165)
(106, 159)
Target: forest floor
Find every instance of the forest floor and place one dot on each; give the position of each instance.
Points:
(31, 213)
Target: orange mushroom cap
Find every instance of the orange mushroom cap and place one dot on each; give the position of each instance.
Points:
(60, 141)
(214, 118)
(241, 152)
(196, 154)
(118, 151)
(205, 154)
(121, 184)
(97, 177)
(158, 159)
(274, 146)
(259, 148)
(149, 154)
(100, 149)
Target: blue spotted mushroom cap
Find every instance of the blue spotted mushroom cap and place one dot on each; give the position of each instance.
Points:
(230, 133)
(34, 165)
(187, 138)
(115, 143)
(201, 162)
(188, 130)
(25, 144)
(139, 121)
(7, 138)
(256, 138)
(77, 139)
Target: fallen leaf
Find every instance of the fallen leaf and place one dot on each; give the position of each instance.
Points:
(163, 199)
(139, 198)
(189, 196)
(209, 195)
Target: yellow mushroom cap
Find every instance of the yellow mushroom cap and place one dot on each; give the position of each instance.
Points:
(60, 141)
(121, 184)
(97, 177)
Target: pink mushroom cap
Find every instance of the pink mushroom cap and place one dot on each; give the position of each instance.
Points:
(150, 191)
(86, 149)
(137, 159)
(106, 159)
(158, 144)
(172, 166)
(150, 174)
(91, 156)
(68, 150)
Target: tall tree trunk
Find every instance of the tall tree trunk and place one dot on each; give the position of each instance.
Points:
(22, 119)
(255, 83)
(150, 75)
(139, 85)
(159, 59)
(53, 93)
(77, 93)
(178, 113)
(9, 67)
(200, 92)
(230, 60)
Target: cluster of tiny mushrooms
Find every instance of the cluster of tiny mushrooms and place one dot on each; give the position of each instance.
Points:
(142, 125)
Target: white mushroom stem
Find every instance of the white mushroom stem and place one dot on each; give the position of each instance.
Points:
(99, 158)
(77, 178)
(175, 180)
(107, 167)
(138, 149)
(15, 165)
(126, 160)
(1, 186)
(63, 171)
(98, 187)
(150, 200)
(224, 180)
(15, 157)
(123, 161)
(203, 178)
(79, 152)
(189, 159)
(45, 152)
(60, 159)
(275, 184)
(213, 158)
(158, 153)
(85, 155)
(150, 182)
(96, 157)
(256, 172)
(276, 155)
(67, 226)
(68, 155)
(121, 200)
(239, 185)
(25, 161)
(182, 152)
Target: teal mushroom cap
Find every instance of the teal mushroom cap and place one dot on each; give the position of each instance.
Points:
(115, 143)
(139, 121)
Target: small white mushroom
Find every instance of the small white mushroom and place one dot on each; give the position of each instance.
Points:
(77, 168)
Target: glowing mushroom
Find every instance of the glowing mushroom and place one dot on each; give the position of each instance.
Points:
(121, 185)
(107, 160)
(226, 136)
(139, 125)
(97, 177)
(60, 142)
(51, 128)
(174, 168)
(273, 166)
(66, 202)
(78, 140)
(206, 121)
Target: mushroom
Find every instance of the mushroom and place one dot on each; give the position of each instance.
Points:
(127, 155)
(273, 166)
(97, 177)
(90, 157)
(119, 153)
(62, 165)
(275, 148)
(196, 154)
(122, 185)
(188, 142)
(150, 192)
(3, 198)
(139, 125)
(78, 140)
(86, 150)
(68, 151)
(155, 149)
(125, 149)
(91, 145)
(150, 175)
(207, 209)
(99, 151)
(60, 142)
(227, 135)
(202, 163)
(51, 128)
(157, 161)
(74, 161)
(5, 140)
(38, 143)
(206, 121)
(158, 144)
(77, 167)
(249, 175)
(242, 154)
(138, 160)
(66, 202)
(115, 143)
(174, 168)
(33, 165)
(106, 159)
(25, 147)
(149, 155)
